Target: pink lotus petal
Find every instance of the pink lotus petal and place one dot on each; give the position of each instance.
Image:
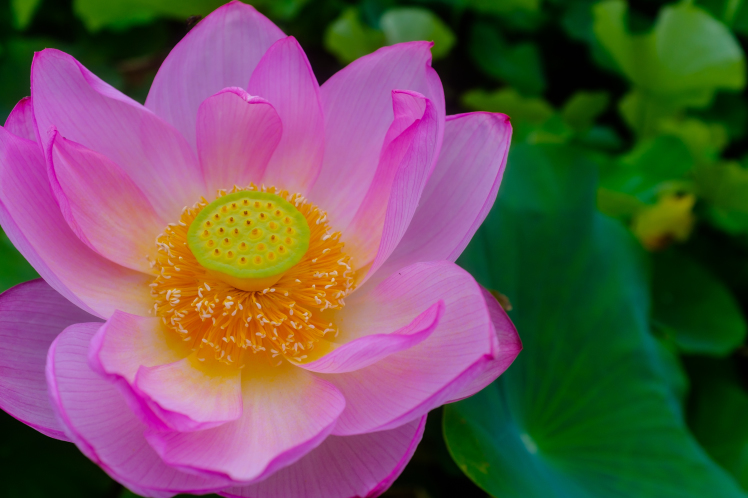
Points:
(357, 105)
(460, 192)
(32, 314)
(285, 78)
(406, 163)
(20, 121)
(406, 385)
(32, 220)
(102, 205)
(220, 52)
(343, 467)
(236, 135)
(368, 349)
(98, 421)
(189, 397)
(506, 344)
(123, 345)
(287, 413)
(88, 111)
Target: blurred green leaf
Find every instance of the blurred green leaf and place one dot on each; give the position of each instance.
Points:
(405, 24)
(581, 110)
(725, 186)
(527, 113)
(518, 65)
(121, 14)
(654, 166)
(734, 13)
(502, 6)
(23, 12)
(586, 410)
(688, 55)
(730, 110)
(717, 409)
(681, 63)
(521, 109)
(37, 466)
(618, 204)
(694, 307)
(348, 38)
(704, 140)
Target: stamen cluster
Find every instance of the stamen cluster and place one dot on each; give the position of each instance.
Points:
(287, 319)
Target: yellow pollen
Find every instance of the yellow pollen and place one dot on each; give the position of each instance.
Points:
(283, 320)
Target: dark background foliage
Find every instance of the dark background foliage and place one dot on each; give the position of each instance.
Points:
(619, 239)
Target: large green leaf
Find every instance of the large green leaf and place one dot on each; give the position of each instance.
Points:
(348, 38)
(586, 410)
(694, 307)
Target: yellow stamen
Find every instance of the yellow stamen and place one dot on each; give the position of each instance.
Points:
(283, 319)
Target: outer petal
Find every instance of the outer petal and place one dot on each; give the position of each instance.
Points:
(285, 78)
(236, 135)
(20, 121)
(31, 316)
(90, 112)
(343, 467)
(404, 168)
(98, 421)
(356, 103)
(102, 205)
(190, 396)
(220, 52)
(287, 413)
(165, 387)
(406, 385)
(460, 192)
(376, 343)
(506, 345)
(31, 217)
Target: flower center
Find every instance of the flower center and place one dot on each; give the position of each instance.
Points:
(249, 239)
(269, 291)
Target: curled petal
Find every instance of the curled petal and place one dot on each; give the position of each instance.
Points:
(102, 205)
(32, 314)
(32, 220)
(406, 385)
(285, 78)
(506, 346)
(404, 168)
(287, 412)
(220, 52)
(460, 191)
(190, 396)
(375, 342)
(99, 422)
(342, 467)
(236, 136)
(357, 106)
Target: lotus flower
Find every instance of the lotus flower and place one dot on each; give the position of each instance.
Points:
(248, 283)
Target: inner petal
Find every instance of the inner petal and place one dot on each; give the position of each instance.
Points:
(256, 270)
